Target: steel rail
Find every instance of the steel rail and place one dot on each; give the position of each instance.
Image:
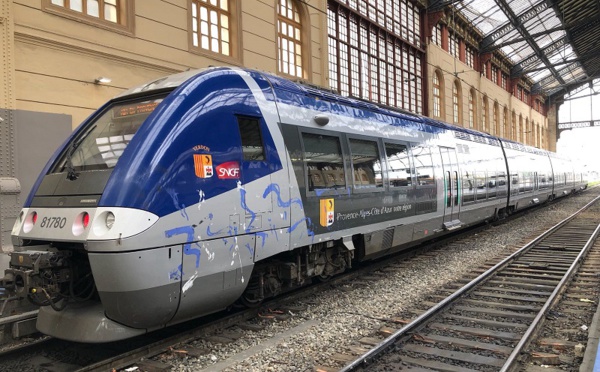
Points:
(420, 320)
(538, 321)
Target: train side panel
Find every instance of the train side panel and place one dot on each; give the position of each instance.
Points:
(484, 184)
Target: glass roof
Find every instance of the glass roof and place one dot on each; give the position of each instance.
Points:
(530, 34)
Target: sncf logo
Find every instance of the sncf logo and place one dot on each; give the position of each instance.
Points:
(229, 170)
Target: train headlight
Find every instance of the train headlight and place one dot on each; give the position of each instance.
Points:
(110, 220)
(30, 221)
(103, 223)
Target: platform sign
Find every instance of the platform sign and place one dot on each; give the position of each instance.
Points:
(203, 165)
(326, 207)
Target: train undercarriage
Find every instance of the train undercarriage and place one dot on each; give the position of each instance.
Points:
(294, 269)
(50, 277)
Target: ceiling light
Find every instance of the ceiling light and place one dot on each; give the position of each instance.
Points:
(102, 80)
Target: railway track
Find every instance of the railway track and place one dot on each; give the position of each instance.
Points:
(488, 324)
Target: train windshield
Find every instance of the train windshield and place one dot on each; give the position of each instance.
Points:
(102, 143)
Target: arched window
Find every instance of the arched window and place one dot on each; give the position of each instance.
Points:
(520, 128)
(212, 26)
(437, 95)
(472, 108)
(484, 114)
(526, 132)
(289, 38)
(456, 104)
(494, 126)
(513, 130)
(504, 128)
(105, 12)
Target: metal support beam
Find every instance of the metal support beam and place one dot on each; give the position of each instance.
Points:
(573, 60)
(435, 5)
(577, 124)
(571, 27)
(519, 69)
(493, 47)
(517, 24)
(540, 85)
(512, 23)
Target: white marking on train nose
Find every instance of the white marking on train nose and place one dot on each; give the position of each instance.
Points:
(201, 198)
(190, 282)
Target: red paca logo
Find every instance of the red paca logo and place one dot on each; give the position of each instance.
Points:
(229, 170)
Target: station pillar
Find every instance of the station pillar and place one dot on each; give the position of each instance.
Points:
(9, 185)
(552, 126)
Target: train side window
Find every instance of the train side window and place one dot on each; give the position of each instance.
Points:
(481, 183)
(399, 168)
(468, 187)
(324, 161)
(366, 164)
(423, 166)
(501, 184)
(252, 144)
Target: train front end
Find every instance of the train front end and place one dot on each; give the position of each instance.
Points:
(134, 223)
(64, 216)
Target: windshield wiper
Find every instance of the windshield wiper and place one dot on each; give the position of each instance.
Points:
(71, 172)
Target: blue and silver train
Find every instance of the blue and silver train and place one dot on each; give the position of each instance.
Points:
(184, 195)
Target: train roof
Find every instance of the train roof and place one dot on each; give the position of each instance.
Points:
(299, 88)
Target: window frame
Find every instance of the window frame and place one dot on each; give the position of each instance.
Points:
(453, 44)
(235, 35)
(388, 167)
(126, 16)
(438, 98)
(456, 103)
(472, 108)
(436, 35)
(495, 119)
(431, 150)
(388, 65)
(258, 120)
(484, 114)
(304, 36)
(343, 151)
(359, 189)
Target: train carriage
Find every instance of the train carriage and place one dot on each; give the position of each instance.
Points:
(186, 194)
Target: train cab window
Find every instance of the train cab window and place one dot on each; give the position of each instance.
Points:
(324, 161)
(366, 164)
(399, 168)
(100, 145)
(423, 166)
(252, 145)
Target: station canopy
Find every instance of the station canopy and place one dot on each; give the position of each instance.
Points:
(556, 43)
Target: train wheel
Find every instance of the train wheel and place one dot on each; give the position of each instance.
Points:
(252, 295)
(250, 301)
(323, 278)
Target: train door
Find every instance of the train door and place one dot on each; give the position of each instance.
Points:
(451, 188)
